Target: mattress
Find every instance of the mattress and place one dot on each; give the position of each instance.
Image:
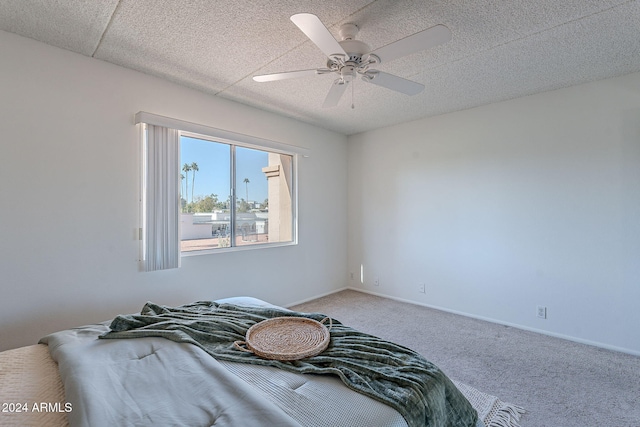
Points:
(32, 392)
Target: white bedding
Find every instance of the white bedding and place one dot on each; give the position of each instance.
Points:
(153, 382)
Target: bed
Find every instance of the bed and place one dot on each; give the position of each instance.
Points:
(78, 379)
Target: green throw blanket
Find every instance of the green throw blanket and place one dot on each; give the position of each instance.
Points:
(385, 371)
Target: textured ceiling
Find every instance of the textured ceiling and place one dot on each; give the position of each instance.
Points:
(501, 49)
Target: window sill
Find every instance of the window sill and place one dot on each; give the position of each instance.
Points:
(236, 249)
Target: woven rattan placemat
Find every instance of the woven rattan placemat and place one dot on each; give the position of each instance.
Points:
(286, 338)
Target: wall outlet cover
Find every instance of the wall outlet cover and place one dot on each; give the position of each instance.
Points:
(541, 312)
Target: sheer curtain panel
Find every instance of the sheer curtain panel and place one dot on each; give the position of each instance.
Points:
(160, 198)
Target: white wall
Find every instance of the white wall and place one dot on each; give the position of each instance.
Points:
(498, 209)
(69, 172)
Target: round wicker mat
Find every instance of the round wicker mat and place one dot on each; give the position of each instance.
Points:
(286, 338)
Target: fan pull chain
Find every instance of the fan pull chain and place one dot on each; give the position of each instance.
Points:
(353, 106)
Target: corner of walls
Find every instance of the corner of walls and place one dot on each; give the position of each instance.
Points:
(504, 207)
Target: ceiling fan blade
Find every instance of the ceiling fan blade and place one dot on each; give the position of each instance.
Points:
(285, 75)
(316, 31)
(393, 82)
(426, 39)
(335, 93)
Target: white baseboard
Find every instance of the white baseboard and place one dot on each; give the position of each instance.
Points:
(500, 322)
(316, 297)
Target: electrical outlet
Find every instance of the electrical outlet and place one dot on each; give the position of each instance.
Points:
(376, 282)
(351, 276)
(542, 312)
(421, 288)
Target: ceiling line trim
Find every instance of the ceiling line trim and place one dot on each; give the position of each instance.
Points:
(106, 28)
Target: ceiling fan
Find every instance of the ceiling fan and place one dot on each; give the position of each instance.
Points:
(350, 58)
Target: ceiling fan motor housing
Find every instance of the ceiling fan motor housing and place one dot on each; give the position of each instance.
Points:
(356, 49)
(358, 55)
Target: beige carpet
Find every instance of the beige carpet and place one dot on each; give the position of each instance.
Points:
(492, 411)
(560, 383)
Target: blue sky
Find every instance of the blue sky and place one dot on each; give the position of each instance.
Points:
(213, 175)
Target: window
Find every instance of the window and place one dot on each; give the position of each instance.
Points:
(209, 190)
(233, 195)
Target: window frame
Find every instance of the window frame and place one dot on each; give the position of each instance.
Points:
(242, 140)
(233, 193)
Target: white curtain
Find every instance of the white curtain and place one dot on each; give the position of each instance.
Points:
(161, 198)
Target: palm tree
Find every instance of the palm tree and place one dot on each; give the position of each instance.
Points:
(194, 168)
(246, 183)
(186, 168)
(181, 198)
